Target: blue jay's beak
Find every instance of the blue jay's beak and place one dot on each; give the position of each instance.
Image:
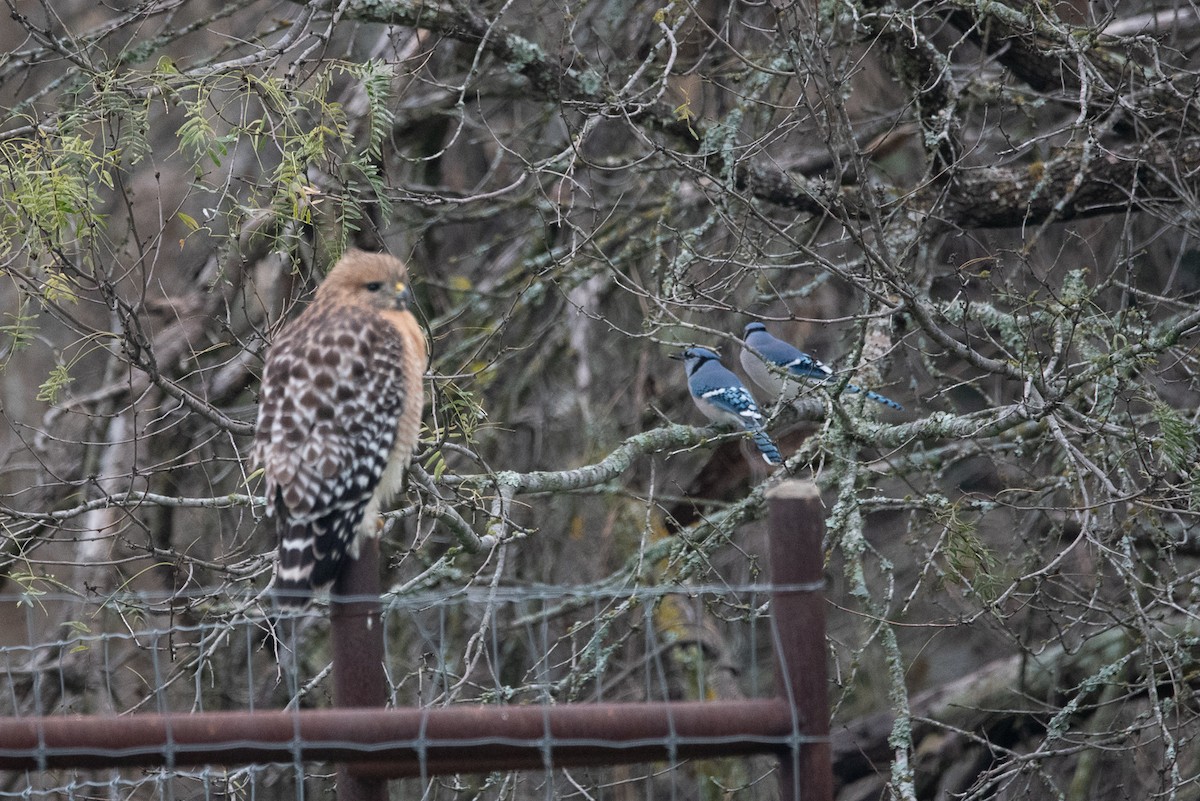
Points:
(680, 356)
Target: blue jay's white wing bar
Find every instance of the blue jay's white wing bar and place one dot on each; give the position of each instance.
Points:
(723, 398)
(764, 358)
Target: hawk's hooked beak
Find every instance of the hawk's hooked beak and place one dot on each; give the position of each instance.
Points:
(403, 296)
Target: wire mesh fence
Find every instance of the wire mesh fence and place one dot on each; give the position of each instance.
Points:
(522, 646)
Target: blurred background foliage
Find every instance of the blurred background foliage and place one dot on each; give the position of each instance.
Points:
(983, 210)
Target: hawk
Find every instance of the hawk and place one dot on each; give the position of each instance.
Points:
(338, 418)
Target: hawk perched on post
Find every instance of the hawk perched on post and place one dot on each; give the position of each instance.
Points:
(338, 418)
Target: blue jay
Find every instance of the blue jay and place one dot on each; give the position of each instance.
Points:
(724, 398)
(761, 348)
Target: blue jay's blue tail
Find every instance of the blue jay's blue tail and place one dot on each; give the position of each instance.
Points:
(767, 447)
(875, 396)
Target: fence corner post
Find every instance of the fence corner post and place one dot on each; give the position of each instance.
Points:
(356, 632)
(797, 562)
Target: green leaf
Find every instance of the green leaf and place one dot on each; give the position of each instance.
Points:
(58, 380)
(1176, 444)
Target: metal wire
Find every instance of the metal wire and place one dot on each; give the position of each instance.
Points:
(188, 653)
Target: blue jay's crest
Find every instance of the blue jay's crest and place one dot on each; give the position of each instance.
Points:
(722, 397)
(694, 358)
(761, 349)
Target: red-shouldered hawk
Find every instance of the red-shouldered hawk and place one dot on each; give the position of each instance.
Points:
(338, 418)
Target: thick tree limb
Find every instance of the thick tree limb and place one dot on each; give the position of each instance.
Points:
(998, 703)
(1137, 175)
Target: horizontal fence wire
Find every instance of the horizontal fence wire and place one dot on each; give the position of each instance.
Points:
(521, 647)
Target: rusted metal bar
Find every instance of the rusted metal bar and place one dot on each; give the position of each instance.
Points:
(405, 742)
(359, 681)
(797, 526)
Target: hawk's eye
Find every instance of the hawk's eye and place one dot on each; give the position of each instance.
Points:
(374, 286)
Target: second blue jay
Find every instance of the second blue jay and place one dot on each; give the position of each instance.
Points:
(762, 348)
(723, 398)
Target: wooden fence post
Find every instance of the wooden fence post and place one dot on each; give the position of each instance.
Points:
(356, 630)
(797, 562)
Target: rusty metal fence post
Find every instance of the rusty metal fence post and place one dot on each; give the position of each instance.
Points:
(797, 561)
(356, 629)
